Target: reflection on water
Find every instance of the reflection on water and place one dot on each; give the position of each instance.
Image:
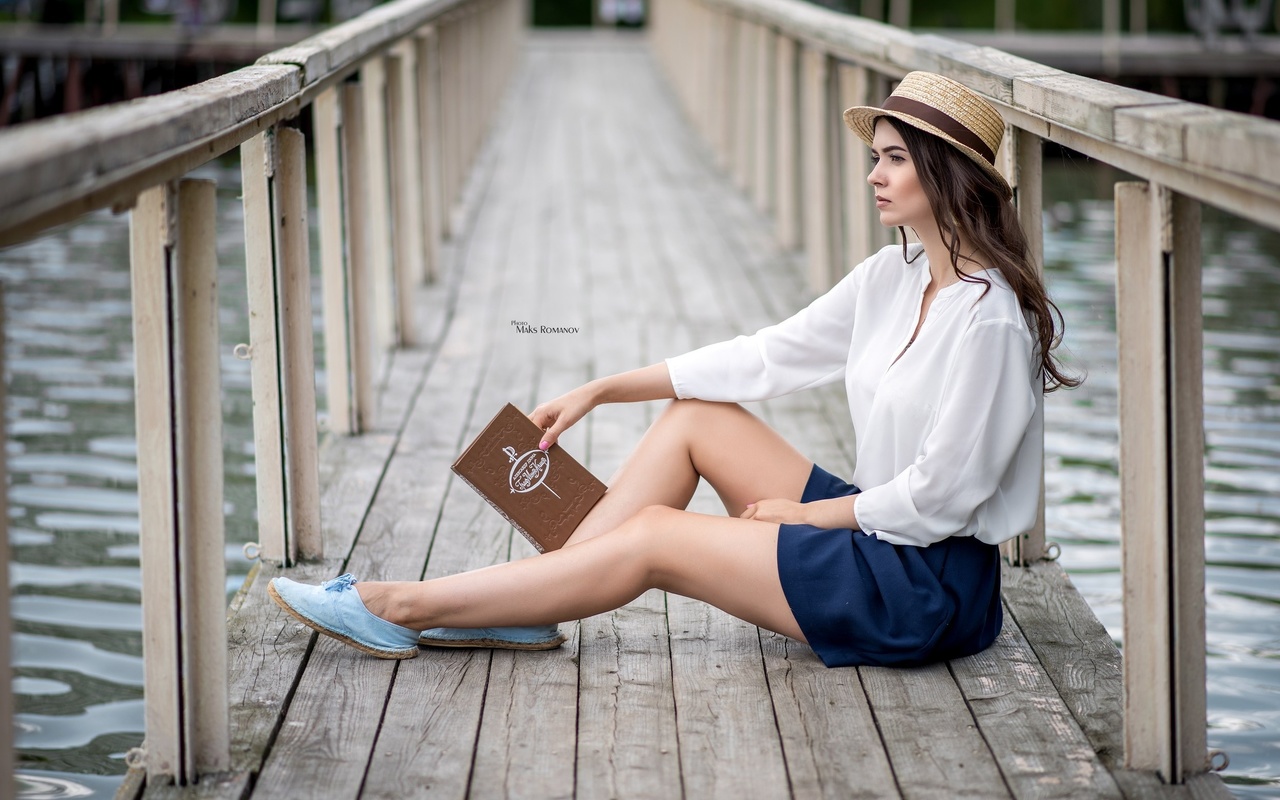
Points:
(1242, 437)
(74, 522)
(73, 500)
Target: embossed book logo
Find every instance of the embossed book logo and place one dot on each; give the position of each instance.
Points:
(528, 471)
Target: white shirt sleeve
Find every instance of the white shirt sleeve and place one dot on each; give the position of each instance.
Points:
(987, 403)
(811, 348)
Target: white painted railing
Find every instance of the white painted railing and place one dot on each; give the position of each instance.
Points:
(400, 98)
(765, 82)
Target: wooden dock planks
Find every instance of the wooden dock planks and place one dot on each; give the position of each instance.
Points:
(593, 207)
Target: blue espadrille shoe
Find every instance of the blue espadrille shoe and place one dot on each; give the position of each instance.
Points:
(528, 637)
(335, 609)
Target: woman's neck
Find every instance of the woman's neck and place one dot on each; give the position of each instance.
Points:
(939, 257)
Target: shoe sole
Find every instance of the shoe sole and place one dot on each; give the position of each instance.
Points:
(495, 644)
(316, 626)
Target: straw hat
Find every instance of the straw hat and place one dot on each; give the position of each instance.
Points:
(947, 109)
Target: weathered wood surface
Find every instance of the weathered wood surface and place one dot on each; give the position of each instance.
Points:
(596, 208)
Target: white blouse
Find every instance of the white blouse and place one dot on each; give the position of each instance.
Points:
(950, 438)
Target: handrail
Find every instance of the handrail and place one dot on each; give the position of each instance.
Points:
(1227, 159)
(54, 170)
(765, 81)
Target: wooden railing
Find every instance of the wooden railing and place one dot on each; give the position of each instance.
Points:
(399, 98)
(765, 82)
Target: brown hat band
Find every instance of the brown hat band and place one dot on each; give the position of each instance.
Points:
(939, 120)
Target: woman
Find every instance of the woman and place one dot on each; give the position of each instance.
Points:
(945, 348)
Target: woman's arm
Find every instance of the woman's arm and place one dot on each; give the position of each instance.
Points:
(647, 383)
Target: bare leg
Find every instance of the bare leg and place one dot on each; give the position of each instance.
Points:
(727, 562)
(742, 458)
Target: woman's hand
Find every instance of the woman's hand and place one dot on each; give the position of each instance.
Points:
(834, 512)
(555, 416)
(777, 510)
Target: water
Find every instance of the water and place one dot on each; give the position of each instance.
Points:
(74, 521)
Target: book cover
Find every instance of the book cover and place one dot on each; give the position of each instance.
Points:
(544, 494)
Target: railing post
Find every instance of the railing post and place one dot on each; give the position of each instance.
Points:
(786, 117)
(762, 126)
(1021, 160)
(448, 125)
(257, 166)
(179, 430)
(327, 119)
(741, 142)
(281, 347)
(7, 708)
(356, 196)
(860, 227)
(373, 79)
(406, 184)
(428, 61)
(301, 441)
(1159, 329)
(816, 129)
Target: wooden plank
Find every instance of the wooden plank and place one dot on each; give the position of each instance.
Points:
(257, 165)
(150, 237)
(373, 81)
(829, 733)
(334, 279)
(1144, 456)
(930, 735)
(297, 345)
(1039, 747)
(729, 745)
(1075, 649)
(202, 616)
(787, 136)
(627, 744)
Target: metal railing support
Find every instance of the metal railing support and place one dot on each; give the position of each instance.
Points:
(1159, 327)
(179, 430)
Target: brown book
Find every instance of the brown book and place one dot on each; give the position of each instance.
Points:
(544, 494)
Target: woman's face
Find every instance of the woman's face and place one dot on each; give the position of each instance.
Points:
(899, 196)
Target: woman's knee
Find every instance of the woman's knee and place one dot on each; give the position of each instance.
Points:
(694, 411)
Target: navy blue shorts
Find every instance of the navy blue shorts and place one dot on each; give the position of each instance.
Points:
(860, 600)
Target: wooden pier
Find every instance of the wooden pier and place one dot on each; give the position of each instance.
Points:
(597, 209)
(653, 193)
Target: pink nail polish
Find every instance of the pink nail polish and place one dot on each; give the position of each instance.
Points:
(543, 445)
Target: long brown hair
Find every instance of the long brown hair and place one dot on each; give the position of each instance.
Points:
(969, 206)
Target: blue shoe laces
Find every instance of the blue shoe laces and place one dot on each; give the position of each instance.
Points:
(339, 584)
